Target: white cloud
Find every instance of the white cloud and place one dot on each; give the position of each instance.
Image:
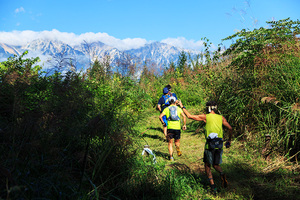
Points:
(124, 44)
(18, 10)
(184, 43)
(23, 37)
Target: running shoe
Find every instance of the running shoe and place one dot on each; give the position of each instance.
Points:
(224, 181)
(213, 189)
(178, 151)
(171, 159)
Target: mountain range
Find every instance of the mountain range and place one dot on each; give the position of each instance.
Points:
(55, 53)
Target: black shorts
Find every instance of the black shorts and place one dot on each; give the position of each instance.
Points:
(213, 157)
(171, 133)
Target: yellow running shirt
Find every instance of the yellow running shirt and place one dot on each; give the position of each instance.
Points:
(173, 124)
(214, 124)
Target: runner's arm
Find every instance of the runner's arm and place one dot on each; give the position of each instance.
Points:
(201, 117)
(159, 107)
(160, 117)
(184, 121)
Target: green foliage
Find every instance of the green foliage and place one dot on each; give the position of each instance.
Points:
(266, 61)
(207, 54)
(251, 47)
(46, 125)
(100, 71)
(281, 123)
(153, 181)
(283, 81)
(182, 62)
(190, 94)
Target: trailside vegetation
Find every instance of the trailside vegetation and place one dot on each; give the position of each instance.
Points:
(78, 135)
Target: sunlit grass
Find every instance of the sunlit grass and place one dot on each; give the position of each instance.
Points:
(247, 169)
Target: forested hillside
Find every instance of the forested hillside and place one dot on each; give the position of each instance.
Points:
(80, 135)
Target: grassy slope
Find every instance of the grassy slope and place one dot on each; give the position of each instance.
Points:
(249, 174)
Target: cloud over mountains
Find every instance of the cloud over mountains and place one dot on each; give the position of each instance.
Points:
(54, 46)
(24, 37)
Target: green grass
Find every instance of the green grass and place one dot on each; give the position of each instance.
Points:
(250, 175)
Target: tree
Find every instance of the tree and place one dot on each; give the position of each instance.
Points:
(19, 69)
(107, 66)
(125, 66)
(182, 61)
(62, 61)
(196, 61)
(97, 71)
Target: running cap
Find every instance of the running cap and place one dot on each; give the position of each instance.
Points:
(169, 87)
(165, 90)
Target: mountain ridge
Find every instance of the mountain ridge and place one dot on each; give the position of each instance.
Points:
(159, 54)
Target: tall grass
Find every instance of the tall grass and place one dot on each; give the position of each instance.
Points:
(61, 135)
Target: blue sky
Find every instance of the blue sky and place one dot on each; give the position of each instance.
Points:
(133, 23)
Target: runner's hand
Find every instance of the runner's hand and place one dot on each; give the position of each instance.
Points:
(227, 144)
(184, 127)
(180, 104)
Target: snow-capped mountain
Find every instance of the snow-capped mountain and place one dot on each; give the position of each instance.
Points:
(52, 48)
(98, 50)
(7, 51)
(161, 53)
(94, 48)
(82, 55)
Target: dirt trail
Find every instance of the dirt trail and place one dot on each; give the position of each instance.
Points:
(191, 144)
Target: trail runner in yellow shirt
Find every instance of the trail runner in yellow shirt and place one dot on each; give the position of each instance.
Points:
(173, 114)
(214, 140)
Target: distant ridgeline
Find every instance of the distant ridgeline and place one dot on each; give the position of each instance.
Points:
(61, 55)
